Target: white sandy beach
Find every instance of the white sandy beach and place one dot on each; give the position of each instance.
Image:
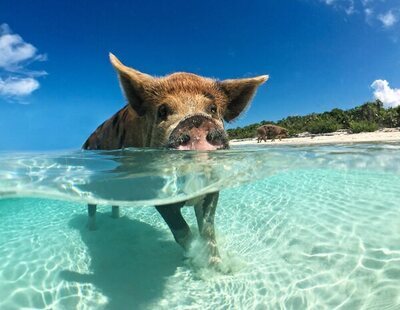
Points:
(382, 135)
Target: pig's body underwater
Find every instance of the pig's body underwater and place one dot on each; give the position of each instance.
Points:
(180, 111)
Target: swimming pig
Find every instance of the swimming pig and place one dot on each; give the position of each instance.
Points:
(180, 111)
(270, 131)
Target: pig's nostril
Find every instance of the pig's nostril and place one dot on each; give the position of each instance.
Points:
(212, 136)
(215, 137)
(184, 139)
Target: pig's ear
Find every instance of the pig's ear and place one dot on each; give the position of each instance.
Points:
(239, 93)
(133, 83)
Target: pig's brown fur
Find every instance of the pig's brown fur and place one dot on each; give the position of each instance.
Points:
(121, 130)
(270, 131)
(136, 124)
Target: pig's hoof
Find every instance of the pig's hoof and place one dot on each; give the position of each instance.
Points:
(215, 262)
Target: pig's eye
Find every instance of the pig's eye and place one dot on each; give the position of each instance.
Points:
(162, 112)
(212, 109)
(209, 96)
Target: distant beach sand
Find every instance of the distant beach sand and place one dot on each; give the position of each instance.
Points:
(382, 135)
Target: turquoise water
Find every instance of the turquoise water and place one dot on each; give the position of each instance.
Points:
(300, 227)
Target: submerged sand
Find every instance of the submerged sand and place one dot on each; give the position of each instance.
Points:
(382, 135)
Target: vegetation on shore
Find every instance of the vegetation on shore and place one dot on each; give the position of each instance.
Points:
(365, 118)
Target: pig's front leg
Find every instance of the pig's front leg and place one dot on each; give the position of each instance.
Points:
(91, 216)
(180, 229)
(205, 213)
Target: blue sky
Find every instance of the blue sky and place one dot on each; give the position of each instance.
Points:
(57, 85)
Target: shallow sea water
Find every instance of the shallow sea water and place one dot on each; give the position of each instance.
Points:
(300, 228)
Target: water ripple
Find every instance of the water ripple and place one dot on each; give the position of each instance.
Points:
(320, 237)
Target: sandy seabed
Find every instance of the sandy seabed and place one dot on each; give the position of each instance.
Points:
(382, 135)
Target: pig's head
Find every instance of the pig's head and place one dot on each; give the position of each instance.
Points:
(185, 111)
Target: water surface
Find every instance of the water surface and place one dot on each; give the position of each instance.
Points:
(301, 227)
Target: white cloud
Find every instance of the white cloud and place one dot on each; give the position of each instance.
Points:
(18, 86)
(350, 9)
(388, 19)
(13, 50)
(368, 12)
(384, 12)
(346, 5)
(369, 15)
(16, 80)
(390, 97)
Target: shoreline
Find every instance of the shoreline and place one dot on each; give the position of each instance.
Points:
(338, 137)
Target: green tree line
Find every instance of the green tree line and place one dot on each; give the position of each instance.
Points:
(367, 117)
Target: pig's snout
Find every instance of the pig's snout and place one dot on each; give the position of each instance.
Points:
(198, 133)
